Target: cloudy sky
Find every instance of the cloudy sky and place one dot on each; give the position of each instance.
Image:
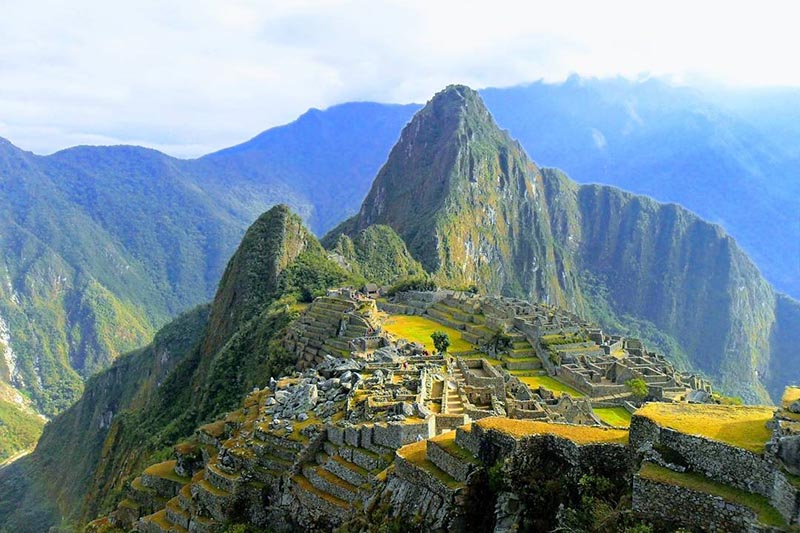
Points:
(194, 76)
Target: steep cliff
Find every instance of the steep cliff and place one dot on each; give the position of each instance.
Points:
(473, 208)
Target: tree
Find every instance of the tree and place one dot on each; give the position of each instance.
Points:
(638, 388)
(441, 341)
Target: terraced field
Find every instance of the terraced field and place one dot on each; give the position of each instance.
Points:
(417, 328)
(614, 416)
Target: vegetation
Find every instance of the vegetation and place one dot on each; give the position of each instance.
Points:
(741, 426)
(379, 255)
(577, 434)
(416, 283)
(613, 416)
(19, 429)
(552, 384)
(419, 329)
(638, 388)
(767, 514)
(441, 341)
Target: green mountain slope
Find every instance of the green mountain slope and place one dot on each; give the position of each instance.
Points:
(197, 367)
(473, 208)
(102, 245)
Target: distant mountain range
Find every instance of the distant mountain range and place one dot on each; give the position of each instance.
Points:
(102, 245)
(461, 198)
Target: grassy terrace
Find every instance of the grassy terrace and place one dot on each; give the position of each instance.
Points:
(447, 441)
(743, 426)
(417, 454)
(613, 416)
(760, 505)
(166, 470)
(547, 382)
(577, 434)
(790, 394)
(418, 329)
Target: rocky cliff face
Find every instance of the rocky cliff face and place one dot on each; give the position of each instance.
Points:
(473, 208)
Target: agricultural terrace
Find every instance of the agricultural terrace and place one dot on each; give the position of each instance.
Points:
(743, 426)
(549, 383)
(613, 416)
(790, 395)
(759, 504)
(577, 434)
(416, 328)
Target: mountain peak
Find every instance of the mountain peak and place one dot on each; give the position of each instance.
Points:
(271, 243)
(459, 191)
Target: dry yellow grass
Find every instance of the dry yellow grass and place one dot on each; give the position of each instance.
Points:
(743, 426)
(790, 394)
(577, 434)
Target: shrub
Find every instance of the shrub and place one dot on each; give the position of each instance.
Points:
(638, 387)
(441, 341)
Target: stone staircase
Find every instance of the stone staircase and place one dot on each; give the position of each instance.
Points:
(451, 399)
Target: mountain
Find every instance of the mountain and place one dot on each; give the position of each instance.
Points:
(727, 155)
(473, 208)
(102, 245)
(197, 367)
(482, 213)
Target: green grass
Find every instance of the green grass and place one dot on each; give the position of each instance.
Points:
(767, 514)
(19, 430)
(743, 426)
(549, 383)
(613, 416)
(418, 329)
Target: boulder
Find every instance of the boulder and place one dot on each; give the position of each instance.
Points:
(795, 406)
(789, 453)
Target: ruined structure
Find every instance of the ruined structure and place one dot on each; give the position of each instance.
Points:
(391, 426)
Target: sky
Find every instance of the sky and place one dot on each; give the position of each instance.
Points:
(191, 77)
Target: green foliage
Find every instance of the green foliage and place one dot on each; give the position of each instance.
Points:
(416, 283)
(441, 341)
(638, 387)
(19, 429)
(311, 274)
(378, 254)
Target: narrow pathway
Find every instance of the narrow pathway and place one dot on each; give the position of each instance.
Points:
(16, 456)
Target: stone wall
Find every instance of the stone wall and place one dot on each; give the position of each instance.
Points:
(721, 462)
(691, 508)
(396, 434)
(457, 468)
(492, 380)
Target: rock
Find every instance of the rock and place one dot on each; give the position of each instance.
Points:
(347, 376)
(795, 406)
(328, 384)
(272, 383)
(346, 385)
(422, 410)
(282, 396)
(270, 401)
(698, 396)
(405, 409)
(789, 453)
(302, 417)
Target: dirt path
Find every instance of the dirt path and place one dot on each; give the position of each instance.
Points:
(13, 458)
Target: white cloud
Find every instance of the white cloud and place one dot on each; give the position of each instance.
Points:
(193, 76)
